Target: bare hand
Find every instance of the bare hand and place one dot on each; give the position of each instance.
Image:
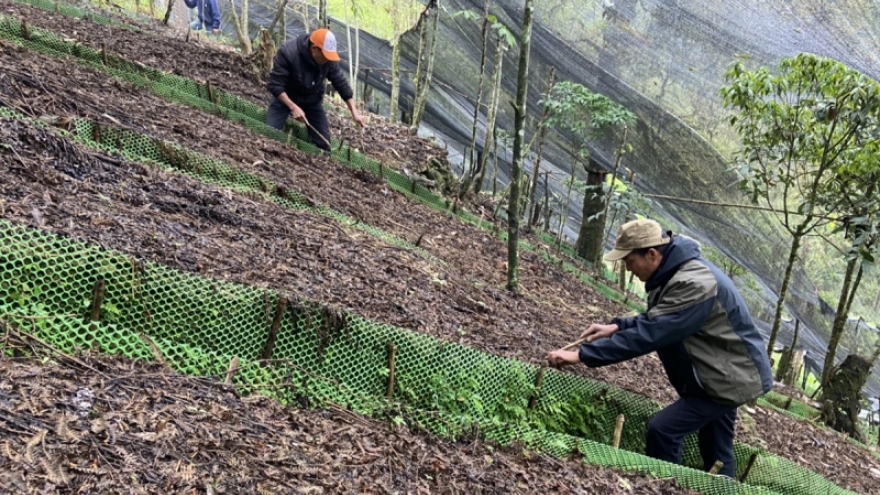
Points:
(298, 114)
(359, 119)
(560, 358)
(216, 31)
(598, 331)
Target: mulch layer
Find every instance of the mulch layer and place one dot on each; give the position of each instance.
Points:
(98, 424)
(55, 185)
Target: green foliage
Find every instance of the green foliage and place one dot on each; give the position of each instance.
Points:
(571, 106)
(806, 131)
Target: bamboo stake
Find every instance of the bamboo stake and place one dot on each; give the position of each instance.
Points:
(230, 372)
(618, 430)
(104, 54)
(97, 300)
(211, 92)
(539, 380)
(748, 469)
(716, 468)
(392, 354)
(276, 326)
(26, 30)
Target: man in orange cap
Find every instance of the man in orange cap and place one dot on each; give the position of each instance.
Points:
(297, 84)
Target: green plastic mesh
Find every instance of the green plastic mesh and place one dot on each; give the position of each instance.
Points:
(216, 101)
(321, 355)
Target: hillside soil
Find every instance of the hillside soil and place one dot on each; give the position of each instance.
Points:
(108, 425)
(58, 186)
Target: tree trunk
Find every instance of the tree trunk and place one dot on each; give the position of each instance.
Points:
(395, 80)
(357, 57)
(473, 154)
(168, 12)
(786, 281)
(265, 53)
(323, 16)
(542, 133)
(785, 361)
(241, 26)
(494, 97)
(425, 88)
(495, 165)
(855, 288)
(591, 238)
(563, 215)
(841, 397)
(839, 325)
(606, 196)
(522, 89)
(282, 18)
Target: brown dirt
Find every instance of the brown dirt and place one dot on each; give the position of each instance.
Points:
(60, 187)
(108, 425)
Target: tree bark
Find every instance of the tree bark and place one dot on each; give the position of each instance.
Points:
(168, 12)
(591, 238)
(395, 80)
(841, 397)
(241, 26)
(492, 114)
(783, 370)
(425, 88)
(485, 34)
(839, 325)
(522, 89)
(786, 281)
(542, 134)
(323, 16)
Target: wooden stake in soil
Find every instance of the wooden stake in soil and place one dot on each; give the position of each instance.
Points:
(392, 355)
(57, 7)
(618, 430)
(539, 380)
(97, 300)
(230, 372)
(104, 54)
(716, 468)
(752, 459)
(788, 404)
(211, 92)
(26, 30)
(276, 326)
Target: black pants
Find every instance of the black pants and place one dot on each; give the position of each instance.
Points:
(713, 422)
(278, 112)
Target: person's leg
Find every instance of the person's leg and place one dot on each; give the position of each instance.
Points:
(317, 118)
(196, 25)
(276, 114)
(668, 428)
(716, 443)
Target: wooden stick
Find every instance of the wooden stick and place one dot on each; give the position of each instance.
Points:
(26, 30)
(211, 96)
(230, 372)
(320, 136)
(276, 326)
(618, 430)
(392, 353)
(154, 349)
(539, 380)
(716, 468)
(97, 300)
(748, 469)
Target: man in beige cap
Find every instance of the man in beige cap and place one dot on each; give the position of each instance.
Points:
(699, 325)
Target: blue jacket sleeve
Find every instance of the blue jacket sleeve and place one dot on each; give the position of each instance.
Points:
(664, 325)
(191, 3)
(215, 14)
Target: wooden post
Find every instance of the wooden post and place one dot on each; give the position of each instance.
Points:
(26, 30)
(276, 326)
(392, 354)
(748, 469)
(618, 430)
(788, 404)
(104, 54)
(539, 380)
(211, 92)
(716, 468)
(57, 7)
(230, 372)
(97, 300)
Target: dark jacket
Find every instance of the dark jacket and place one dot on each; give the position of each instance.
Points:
(209, 12)
(698, 323)
(295, 72)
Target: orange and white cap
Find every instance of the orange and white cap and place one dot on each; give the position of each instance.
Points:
(326, 41)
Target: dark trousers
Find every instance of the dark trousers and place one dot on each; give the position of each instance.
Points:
(278, 112)
(713, 422)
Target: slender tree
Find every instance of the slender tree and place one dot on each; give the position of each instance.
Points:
(519, 120)
(423, 85)
(240, 22)
(504, 39)
(800, 127)
(542, 134)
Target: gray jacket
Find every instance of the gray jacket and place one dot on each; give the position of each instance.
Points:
(698, 323)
